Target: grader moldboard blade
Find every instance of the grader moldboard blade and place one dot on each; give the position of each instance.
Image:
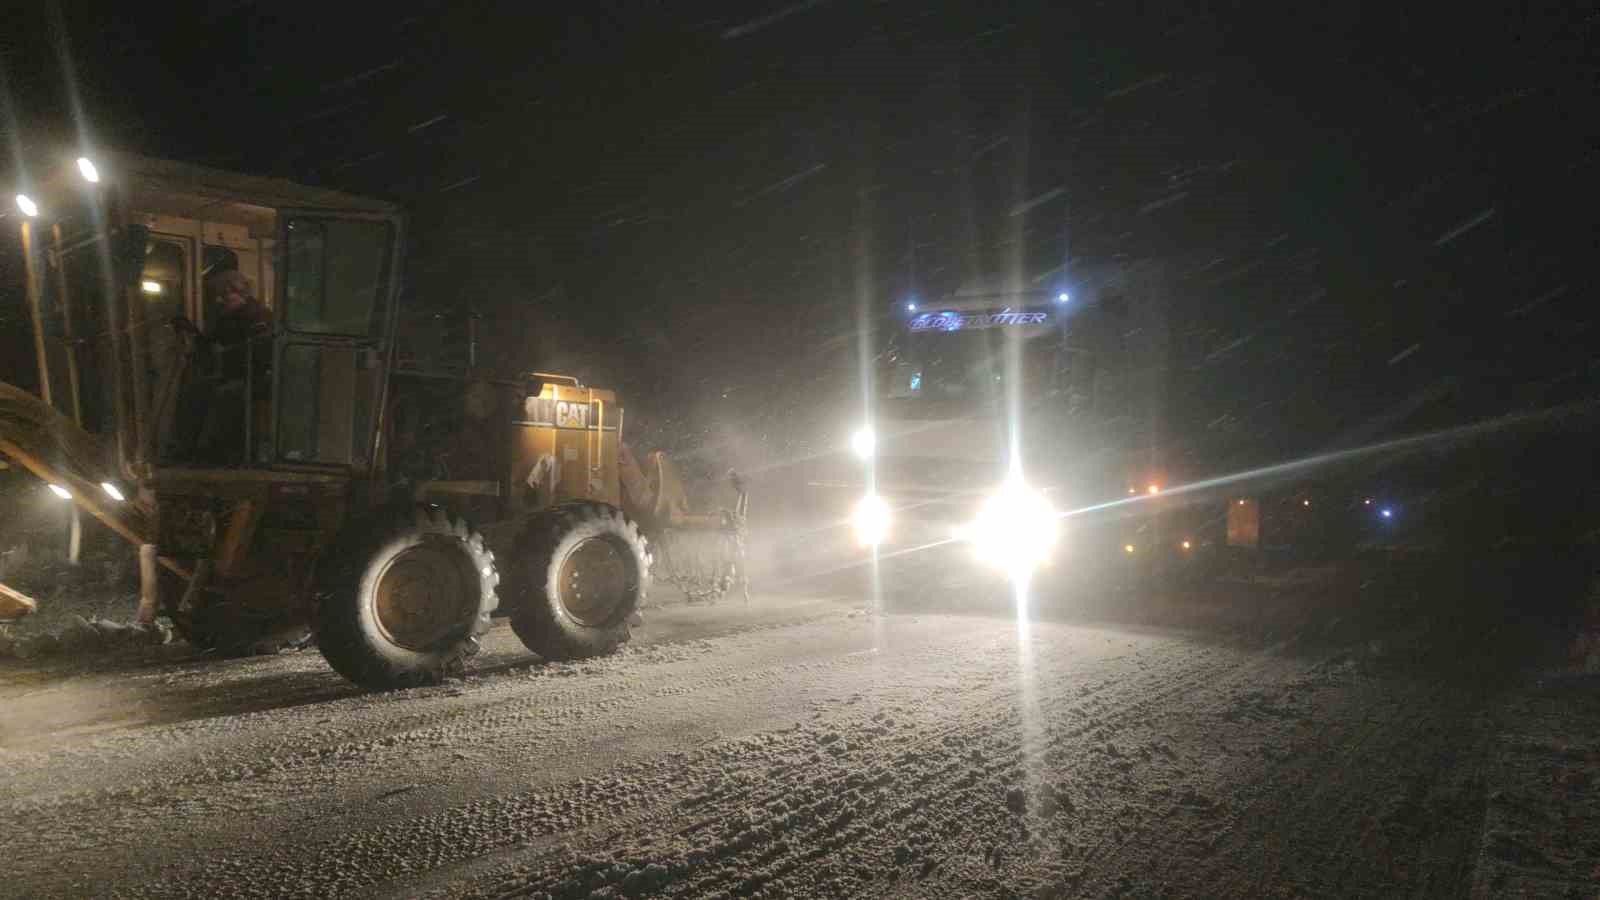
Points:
(54, 448)
(700, 553)
(15, 604)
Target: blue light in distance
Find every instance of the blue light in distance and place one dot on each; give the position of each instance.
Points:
(1386, 512)
(911, 306)
(1063, 297)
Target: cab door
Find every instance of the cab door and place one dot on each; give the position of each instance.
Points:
(337, 284)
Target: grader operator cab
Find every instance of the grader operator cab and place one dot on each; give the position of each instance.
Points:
(218, 385)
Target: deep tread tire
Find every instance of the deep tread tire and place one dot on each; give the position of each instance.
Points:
(538, 616)
(347, 628)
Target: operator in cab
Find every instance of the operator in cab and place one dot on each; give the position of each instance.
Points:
(236, 316)
(232, 306)
(239, 315)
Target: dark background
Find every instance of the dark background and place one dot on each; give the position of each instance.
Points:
(1381, 217)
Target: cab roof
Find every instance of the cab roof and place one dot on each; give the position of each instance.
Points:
(179, 188)
(143, 175)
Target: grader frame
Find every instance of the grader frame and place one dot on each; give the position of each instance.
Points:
(308, 516)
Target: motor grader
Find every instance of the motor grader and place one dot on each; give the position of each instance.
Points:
(289, 470)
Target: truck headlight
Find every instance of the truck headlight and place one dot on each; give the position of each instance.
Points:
(864, 442)
(1015, 529)
(871, 520)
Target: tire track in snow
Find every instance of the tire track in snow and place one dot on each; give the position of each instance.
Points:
(691, 685)
(226, 749)
(978, 760)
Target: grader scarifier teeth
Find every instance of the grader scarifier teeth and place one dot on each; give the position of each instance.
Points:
(705, 565)
(700, 553)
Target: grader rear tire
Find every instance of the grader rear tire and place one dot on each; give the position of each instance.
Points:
(404, 603)
(582, 572)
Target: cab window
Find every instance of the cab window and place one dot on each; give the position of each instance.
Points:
(336, 277)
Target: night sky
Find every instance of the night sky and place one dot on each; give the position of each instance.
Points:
(1381, 219)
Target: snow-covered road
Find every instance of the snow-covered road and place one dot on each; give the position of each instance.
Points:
(800, 746)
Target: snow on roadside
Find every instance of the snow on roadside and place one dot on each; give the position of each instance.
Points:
(1541, 825)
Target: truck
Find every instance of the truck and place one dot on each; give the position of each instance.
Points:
(1025, 423)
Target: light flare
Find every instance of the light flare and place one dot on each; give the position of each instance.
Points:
(1016, 528)
(871, 520)
(864, 442)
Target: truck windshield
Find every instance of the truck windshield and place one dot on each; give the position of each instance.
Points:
(959, 374)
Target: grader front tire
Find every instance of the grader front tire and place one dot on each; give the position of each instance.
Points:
(582, 572)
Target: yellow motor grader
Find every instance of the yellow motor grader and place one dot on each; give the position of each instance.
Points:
(219, 385)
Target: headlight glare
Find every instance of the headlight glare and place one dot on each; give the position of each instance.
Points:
(871, 520)
(864, 442)
(1016, 528)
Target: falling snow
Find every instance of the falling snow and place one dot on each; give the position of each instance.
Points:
(1464, 227)
(766, 21)
(1373, 233)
